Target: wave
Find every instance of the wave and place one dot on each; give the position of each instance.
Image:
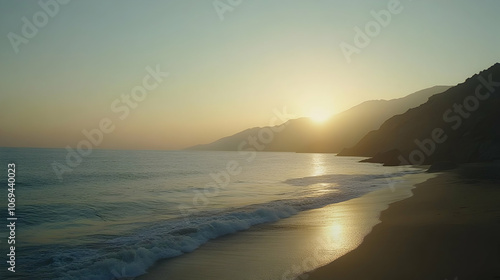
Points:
(132, 255)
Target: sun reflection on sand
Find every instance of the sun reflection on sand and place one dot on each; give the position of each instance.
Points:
(338, 231)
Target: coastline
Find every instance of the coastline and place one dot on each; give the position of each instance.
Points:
(448, 229)
(290, 247)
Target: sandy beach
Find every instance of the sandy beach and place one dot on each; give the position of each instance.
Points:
(289, 247)
(449, 229)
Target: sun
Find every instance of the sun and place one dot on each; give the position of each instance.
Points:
(319, 116)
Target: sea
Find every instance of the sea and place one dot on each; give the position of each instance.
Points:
(113, 214)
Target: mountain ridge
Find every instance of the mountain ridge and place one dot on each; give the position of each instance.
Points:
(461, 124)
(303, 135)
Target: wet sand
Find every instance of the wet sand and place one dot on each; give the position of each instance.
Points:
(449, 229)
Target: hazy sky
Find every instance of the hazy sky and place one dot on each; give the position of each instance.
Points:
(227, 70)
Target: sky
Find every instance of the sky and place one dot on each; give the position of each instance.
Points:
(72, 66)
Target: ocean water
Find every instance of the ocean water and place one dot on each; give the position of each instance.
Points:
(118, 212)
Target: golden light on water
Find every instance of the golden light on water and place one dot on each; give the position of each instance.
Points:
(337, 236)
(336, 232)
(318, 164)
(344, 227)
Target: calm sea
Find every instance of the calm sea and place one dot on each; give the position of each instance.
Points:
(117, 212)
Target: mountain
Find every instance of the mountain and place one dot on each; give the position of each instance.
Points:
(348, 127)
(459, 125)
(294, 135)
(343, 130)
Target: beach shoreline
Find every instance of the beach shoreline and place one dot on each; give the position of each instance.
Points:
(448, 229)
(313, 238)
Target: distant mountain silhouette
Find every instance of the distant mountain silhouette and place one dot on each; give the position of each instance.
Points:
(459, 125)
(296, 135)
(342, 130)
